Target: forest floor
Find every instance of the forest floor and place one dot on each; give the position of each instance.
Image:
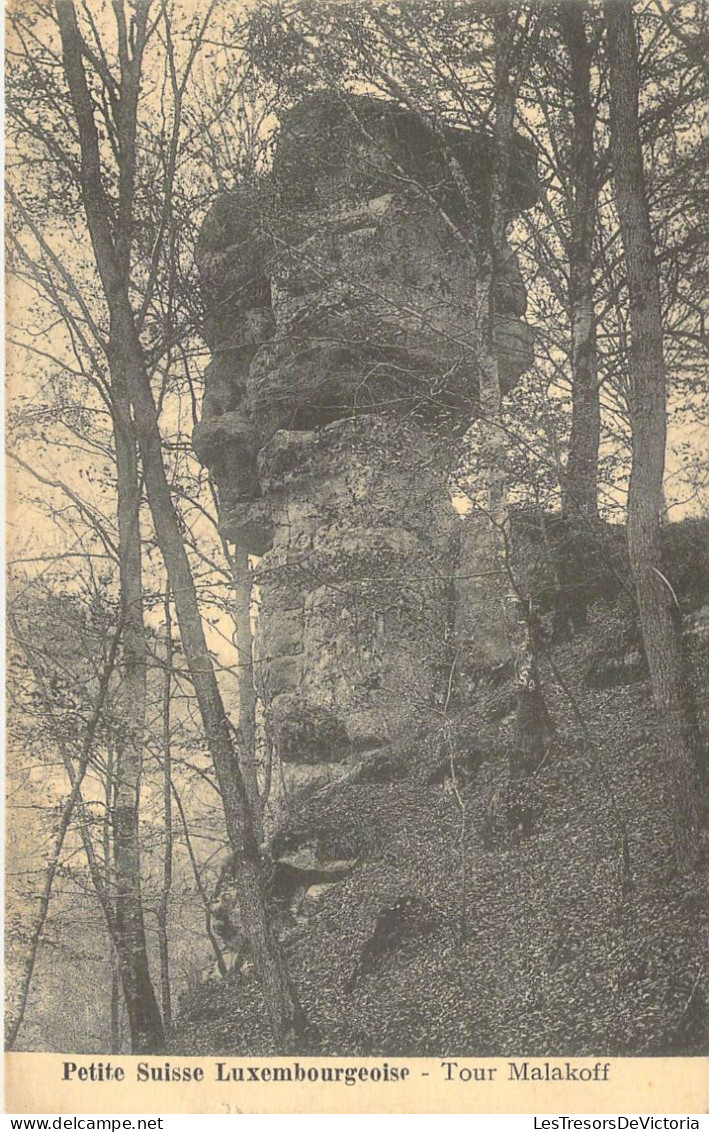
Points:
(570, 934)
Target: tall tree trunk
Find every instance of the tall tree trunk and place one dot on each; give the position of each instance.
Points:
(199, 883)
(14, 1022)
(285, 1015)
(647, 397)
(164, 903)
(533, 722)
(241, 596)
(144, 1020)
(116, 1036)
(581, 481)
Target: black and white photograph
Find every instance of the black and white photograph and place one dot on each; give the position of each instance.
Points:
(357, 573)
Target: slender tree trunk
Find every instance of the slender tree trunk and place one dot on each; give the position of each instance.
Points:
(106, 885)
(285, 1015)
(647, 396)
(116, 1036)
(581, 481)
(116, 1000)
(533, 721)
(204, 895)
(13, 1023)
(145, 1023)
(241, 596)
(164, 904)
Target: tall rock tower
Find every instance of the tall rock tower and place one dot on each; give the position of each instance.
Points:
(340, 305)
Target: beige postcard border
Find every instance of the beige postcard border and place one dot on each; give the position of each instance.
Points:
(34, 1083)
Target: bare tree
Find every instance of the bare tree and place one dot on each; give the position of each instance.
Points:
(647, 406)
(166, 889)
(581, 480)
(14, 1021)
(533, 722)
(110, 244)
(146, 1024)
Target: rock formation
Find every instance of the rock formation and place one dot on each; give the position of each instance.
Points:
(339, 301)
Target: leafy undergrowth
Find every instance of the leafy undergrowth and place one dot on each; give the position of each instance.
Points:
(546, 940)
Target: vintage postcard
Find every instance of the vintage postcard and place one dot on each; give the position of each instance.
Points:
(357, 556)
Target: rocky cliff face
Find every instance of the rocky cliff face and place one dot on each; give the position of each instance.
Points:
(339, 309)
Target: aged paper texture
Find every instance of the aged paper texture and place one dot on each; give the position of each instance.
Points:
(356, 557)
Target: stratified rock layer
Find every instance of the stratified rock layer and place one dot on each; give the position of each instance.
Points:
(352, 635)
